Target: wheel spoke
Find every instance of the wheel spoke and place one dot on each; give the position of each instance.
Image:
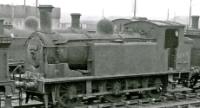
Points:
(65, 94)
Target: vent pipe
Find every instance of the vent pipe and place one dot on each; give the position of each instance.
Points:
(45, 18)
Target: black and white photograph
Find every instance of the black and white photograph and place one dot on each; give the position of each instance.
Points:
(99, 54)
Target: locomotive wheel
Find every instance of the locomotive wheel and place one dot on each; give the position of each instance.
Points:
(155, 83)
(194, 79)
(66, 96)
(116, 88)
(133, 84)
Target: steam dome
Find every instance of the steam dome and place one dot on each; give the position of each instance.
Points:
(31, 23)
(105, 26)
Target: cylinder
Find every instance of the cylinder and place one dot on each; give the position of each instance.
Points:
(75, 20)
(45, 18)
(195, 22)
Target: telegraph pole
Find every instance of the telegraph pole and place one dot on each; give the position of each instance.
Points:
(36, 3)
(190, 14)
(135, 7)
(103, 13)
(36, 9)
(24, 3)
(168, 14)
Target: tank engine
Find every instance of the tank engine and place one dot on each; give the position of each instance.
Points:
(66, 67)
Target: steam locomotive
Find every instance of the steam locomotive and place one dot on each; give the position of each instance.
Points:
(77, 67)
(65, 68)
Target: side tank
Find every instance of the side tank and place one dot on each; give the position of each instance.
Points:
(65, 48)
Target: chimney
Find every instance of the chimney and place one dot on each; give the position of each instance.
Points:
(45, 18)
(195, 22)
(75, 20)
(1, 27)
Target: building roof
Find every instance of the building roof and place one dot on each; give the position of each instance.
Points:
(131, 19)
(21, 11)
(121, 19)
(166, 23)
(159, 23)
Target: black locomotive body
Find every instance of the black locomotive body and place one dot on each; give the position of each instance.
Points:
(64, 68)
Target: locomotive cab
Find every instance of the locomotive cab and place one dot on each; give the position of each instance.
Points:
(170, 40)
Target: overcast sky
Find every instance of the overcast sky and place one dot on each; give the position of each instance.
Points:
(153, 9)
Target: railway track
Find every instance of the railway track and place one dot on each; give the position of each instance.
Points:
(35, 105)
(177, 100)
(143, 103)
(188, 103)
(170, 100)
